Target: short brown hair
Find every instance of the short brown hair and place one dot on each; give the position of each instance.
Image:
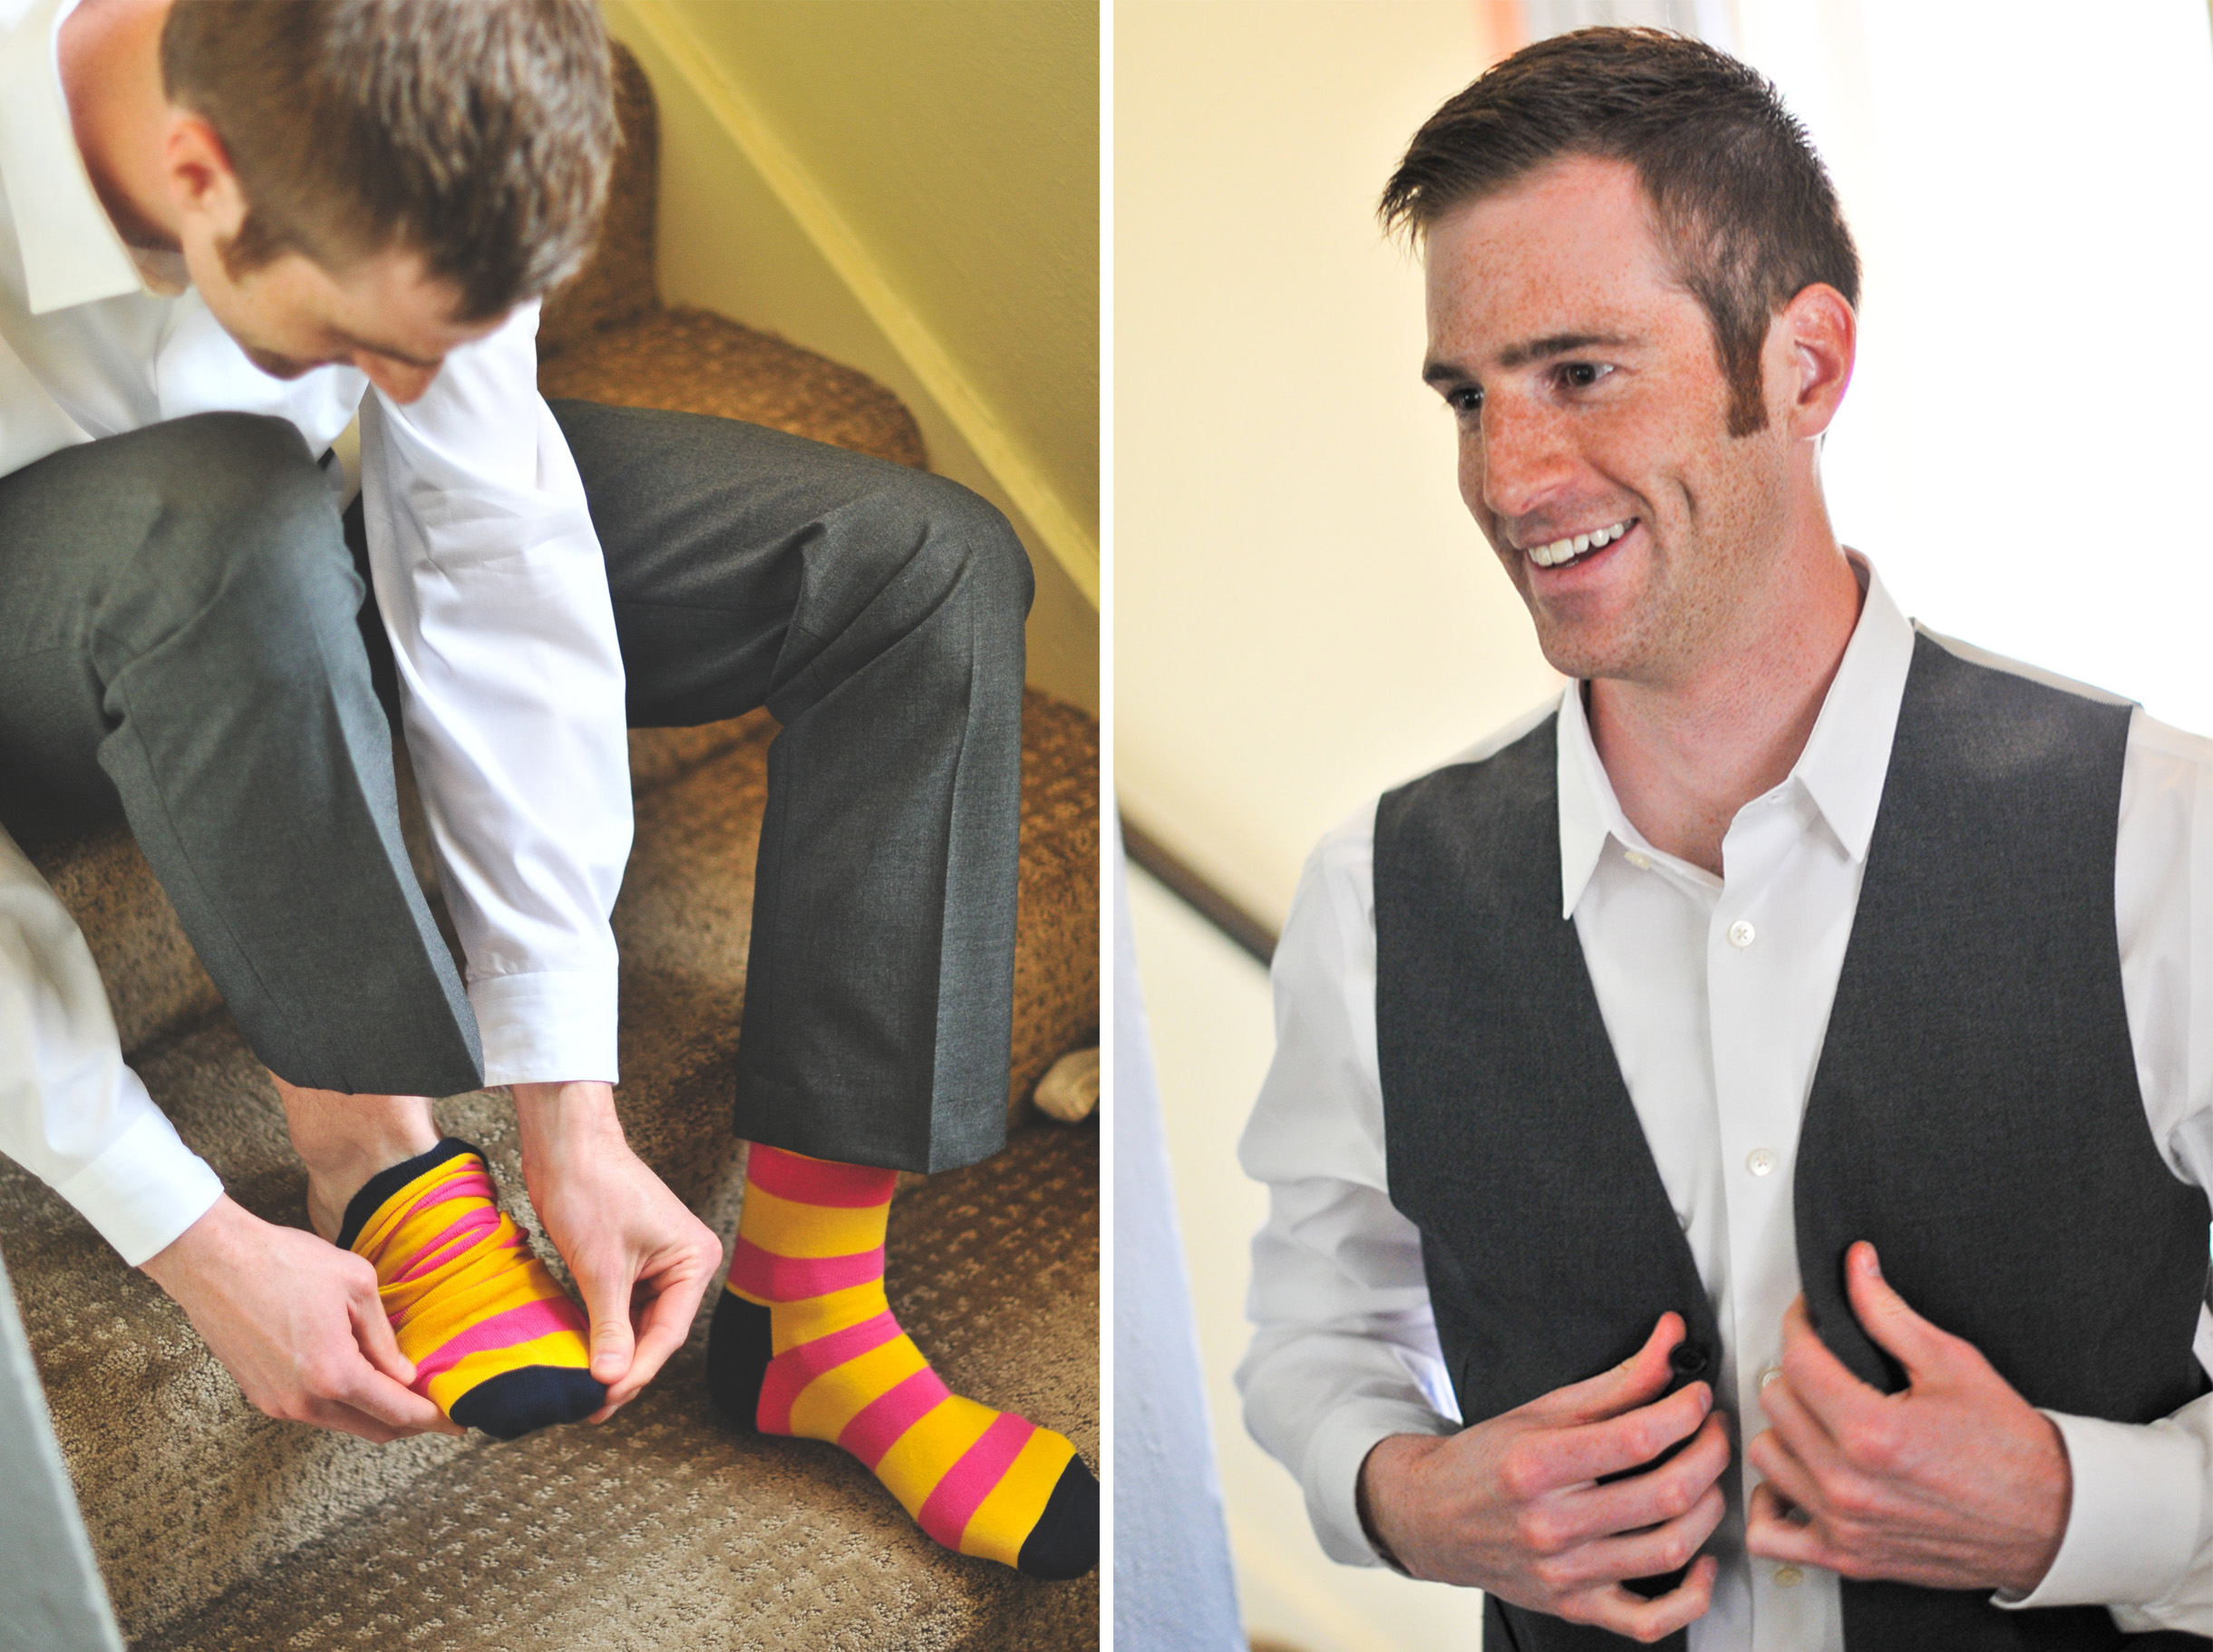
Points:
(1742, 201)
(477, 134)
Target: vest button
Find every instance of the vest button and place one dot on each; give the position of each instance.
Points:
(1741, 934)
(1688, 1358)
(1761, 1160)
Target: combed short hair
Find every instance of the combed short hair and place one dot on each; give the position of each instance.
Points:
(1743, 203)
(476, 133)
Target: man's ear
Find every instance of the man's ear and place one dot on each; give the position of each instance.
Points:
(1818, 337)
(201, 182)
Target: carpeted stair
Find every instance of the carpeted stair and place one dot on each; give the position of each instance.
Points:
(217, 1528)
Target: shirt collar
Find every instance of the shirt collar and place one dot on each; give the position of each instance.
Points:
(69, 250)
(1840, 771)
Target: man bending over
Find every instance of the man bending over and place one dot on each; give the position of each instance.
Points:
(228, 230)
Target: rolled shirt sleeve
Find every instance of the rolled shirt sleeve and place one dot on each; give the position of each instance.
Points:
(71, 1113)
(1344, 1352)
(494, 591)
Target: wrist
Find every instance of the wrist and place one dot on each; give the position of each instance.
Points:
(2050, 1507)
(1378, 1470)
(200, 1247)
(563, 1118)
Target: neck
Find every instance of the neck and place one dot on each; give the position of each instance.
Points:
(110, 61)
(1685, 755)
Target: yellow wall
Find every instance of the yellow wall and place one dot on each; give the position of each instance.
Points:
(912, 187)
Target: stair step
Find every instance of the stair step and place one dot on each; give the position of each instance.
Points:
(693, 361)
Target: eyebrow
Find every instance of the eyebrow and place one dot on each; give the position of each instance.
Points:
(1520, 355)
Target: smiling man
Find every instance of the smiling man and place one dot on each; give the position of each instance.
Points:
(1736, 1143)
(228, 230)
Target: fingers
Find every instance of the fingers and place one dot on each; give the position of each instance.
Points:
(668, 1321)
(1574, 1456)
(1649, 1553)
(606, 1300)
(372, 1331)
(1796, 1432)
(1641, 1378)
(1627, 1613)
(1776, 1530)
(1828, 1389)
(1894, 1326)
(1650, 1499)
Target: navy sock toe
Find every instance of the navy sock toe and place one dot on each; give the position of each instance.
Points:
(1064, 1543)
(513, 1403)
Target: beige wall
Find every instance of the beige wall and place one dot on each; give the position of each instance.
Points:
(910, 186)
(1304, 612)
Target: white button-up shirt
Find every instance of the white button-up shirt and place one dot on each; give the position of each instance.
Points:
(492, 588)
(1715, 993)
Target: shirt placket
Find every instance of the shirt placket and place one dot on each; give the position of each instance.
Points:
(1755, 983)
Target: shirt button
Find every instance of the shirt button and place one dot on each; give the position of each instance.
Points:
(1639, 860)
(1770, 1375)
(1761, 1160)
(1788, 1577)
(1740, 933)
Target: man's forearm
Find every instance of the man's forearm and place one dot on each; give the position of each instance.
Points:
(71, 1113)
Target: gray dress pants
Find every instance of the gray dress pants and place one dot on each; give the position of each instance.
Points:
(181, 648)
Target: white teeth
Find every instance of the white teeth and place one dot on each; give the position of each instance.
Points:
(1567, 549)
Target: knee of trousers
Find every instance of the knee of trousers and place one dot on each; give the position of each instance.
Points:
(961, 553)
(243, 554)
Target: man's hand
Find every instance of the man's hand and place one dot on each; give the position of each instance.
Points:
(1512, 1505)
(642, 1260)
(298, 1322)
(1957, 1482)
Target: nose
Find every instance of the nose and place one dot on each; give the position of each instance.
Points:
(401, 381)
(1519, 457)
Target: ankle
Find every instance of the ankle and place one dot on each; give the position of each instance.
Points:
(344, 1140)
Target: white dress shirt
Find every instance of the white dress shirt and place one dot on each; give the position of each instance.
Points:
(490, 577)
(1715, 993)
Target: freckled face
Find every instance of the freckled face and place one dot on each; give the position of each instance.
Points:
(1593, 417)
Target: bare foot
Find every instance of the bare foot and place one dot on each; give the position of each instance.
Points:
(344, 1139)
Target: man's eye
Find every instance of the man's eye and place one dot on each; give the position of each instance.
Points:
(1582, 375)
(1467, 401)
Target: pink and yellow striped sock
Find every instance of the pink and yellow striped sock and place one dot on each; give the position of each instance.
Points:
(804, 1343)
(496, 1343)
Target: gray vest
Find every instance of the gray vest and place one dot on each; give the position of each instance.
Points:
(1974, 1110)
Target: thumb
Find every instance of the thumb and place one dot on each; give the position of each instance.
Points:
(606, 1300)
(1637, 1381)
(1884, 1314)
(373, 1334)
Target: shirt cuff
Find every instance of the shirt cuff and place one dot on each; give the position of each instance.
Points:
(1333, 1455)
(145, 1190)
(2132, 1527)
(549, 1028)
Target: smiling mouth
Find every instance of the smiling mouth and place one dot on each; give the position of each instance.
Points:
(1560, 552)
